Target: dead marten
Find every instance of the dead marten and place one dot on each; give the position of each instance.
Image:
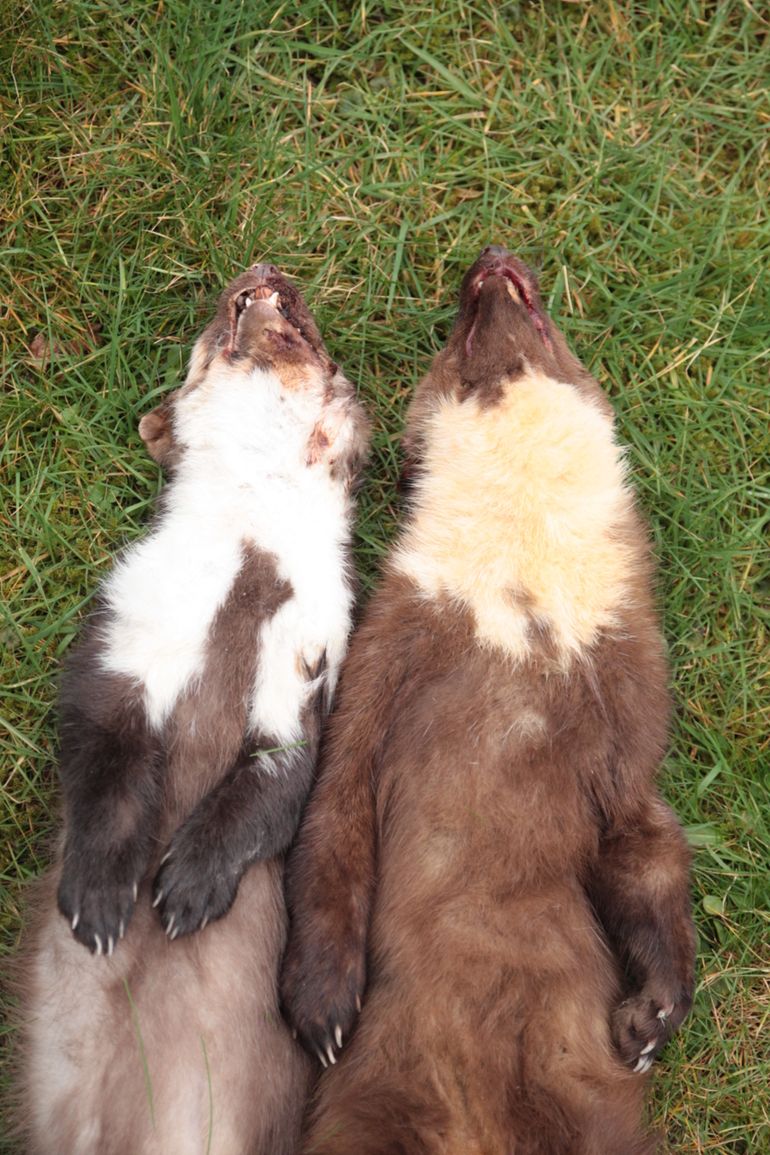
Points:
(485, 861)
(190, 712)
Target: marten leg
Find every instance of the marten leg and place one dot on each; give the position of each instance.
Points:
(251, 814)
(330, 875)
(330, 882)
(640, 888)
(110, 769)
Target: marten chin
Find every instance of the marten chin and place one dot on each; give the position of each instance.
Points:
(189, 719)
(490, 932)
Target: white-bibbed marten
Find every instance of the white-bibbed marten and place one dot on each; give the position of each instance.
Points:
(190, 711)
(485, 862)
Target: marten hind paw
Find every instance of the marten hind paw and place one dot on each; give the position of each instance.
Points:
(643, 1024)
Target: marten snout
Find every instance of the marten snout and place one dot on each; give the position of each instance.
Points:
(501, 289)
(260, 328)
(501, 323)
(264, 321)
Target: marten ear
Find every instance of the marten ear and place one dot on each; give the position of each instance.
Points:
(156, 431)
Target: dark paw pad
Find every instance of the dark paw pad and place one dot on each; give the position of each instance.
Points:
(194, 886)
(97, 899)
(642, 1025)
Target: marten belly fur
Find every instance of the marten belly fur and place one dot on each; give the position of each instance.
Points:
(190, 712)
(485, 869)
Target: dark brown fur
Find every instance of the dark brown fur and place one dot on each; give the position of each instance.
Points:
(510, 902)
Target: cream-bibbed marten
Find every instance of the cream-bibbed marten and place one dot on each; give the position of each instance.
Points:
(485, 869)
(190, 712)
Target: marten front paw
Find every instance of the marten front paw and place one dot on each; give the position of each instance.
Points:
(321, 992)
(97, 896)
(195, 885)
(644, 1023)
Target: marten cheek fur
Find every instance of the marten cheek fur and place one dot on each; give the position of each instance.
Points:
(189, 720)
(490, 934)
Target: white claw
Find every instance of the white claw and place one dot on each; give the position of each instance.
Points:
(646, 1050)
(98, 942)
(175, 933)
(121, 929)
(136, 891)
(110, 945)
(157, 898)
(76, 920)
(358, 1003)
(338, 1035)
(331, 1055)
(204, 924)
(322, 1057)
(170, 925)
(643, 1065)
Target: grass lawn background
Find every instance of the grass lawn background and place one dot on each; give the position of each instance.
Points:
(151, 150)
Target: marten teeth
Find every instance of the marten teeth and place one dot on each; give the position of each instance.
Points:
(260, 293)
(266, 294)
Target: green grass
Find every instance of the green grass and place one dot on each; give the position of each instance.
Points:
(151, 150)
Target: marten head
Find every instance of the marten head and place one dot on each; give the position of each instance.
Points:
(501, 334)
(261, 324)
(262, 320)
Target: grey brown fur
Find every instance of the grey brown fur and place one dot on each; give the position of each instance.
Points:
(170, 862)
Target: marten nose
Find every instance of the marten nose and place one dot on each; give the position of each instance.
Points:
(495, 251)
(265, 270)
